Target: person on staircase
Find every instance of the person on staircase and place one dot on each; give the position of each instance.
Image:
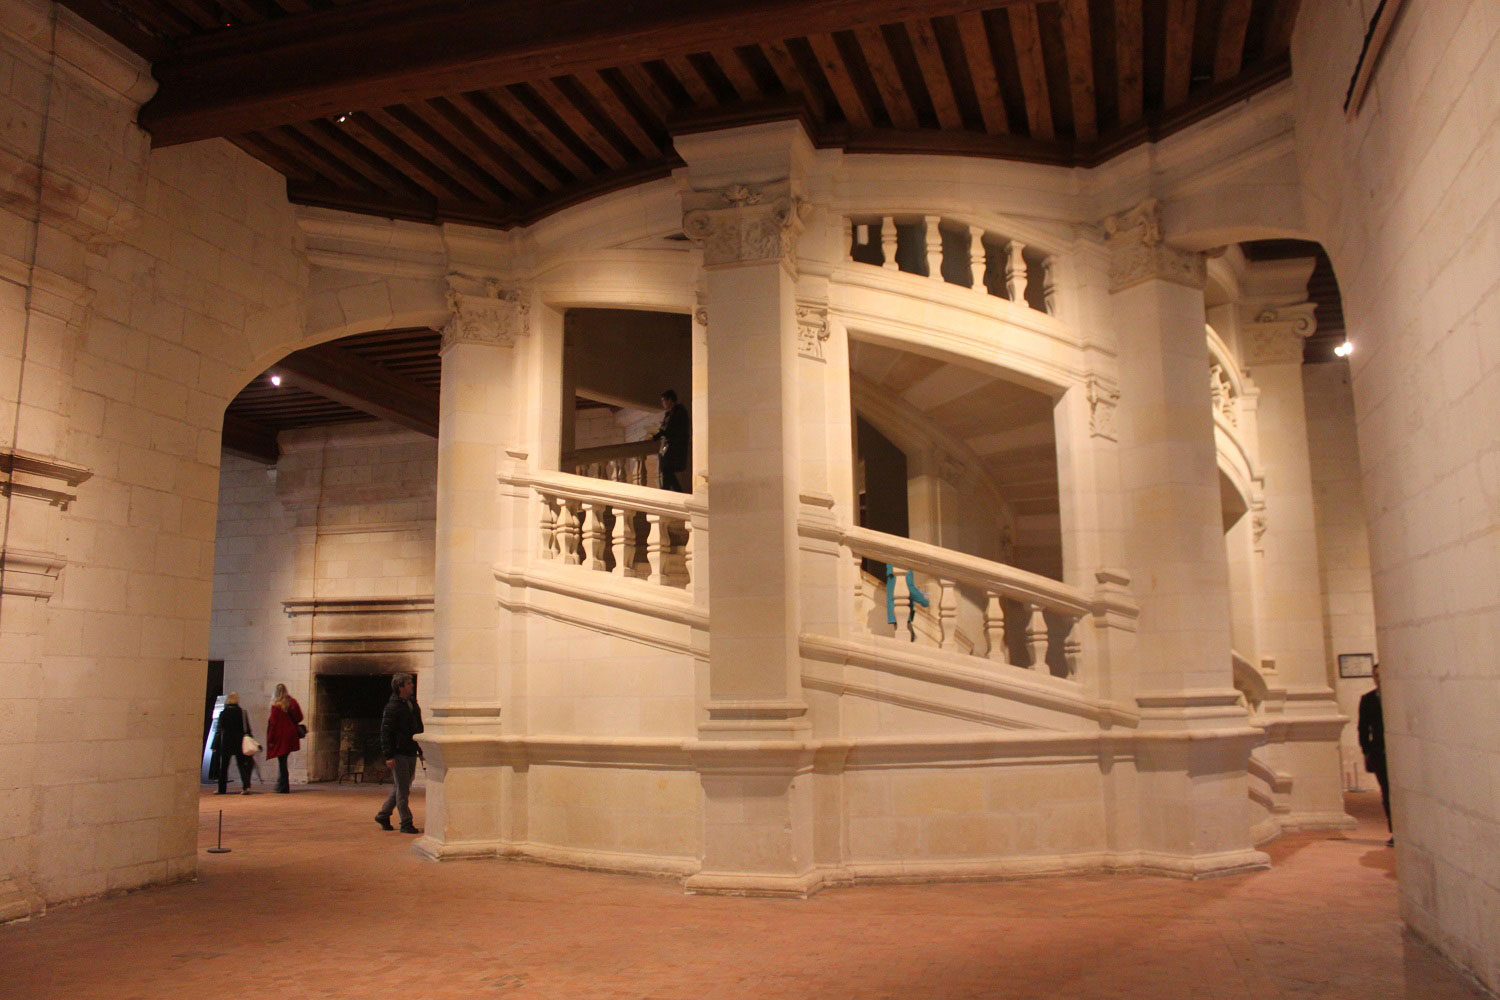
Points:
(675, 437)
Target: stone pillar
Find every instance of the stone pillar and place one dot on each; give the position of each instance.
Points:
(744, 208)
(1194, 741)
(477, 419)
(1289, 606)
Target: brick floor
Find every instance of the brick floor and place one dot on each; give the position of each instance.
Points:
(316, 901)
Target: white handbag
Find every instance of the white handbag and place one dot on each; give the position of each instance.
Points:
(248, 746)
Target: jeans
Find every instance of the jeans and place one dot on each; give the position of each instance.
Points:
(401, 774)
(283, 779)
(245, 763)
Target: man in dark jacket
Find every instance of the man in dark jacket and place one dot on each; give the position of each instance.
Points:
(675, 435)
(399, 725)
(1372, 742)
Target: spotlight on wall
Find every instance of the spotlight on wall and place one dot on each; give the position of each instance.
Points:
(339, 119)
(275, 379)
(1344, 350)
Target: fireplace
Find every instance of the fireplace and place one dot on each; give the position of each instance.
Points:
(354, 646)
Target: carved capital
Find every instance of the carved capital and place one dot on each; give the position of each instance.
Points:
(484, 312)
(741, 225)
(1276, 335)
(812, 330)
(1138, 254)
(1103, 397)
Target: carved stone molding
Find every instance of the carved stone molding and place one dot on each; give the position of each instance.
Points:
(40, 478)
(1258, 522)
(1276, 335)
(812, 330)
(484, 312)
(1138, 254)
(1103, 397)
(28, 573)
(740, 225)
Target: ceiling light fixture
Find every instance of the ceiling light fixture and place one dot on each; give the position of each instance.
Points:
(1344, 350)
(341, 118)
(275, 379)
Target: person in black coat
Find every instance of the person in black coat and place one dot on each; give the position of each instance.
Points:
(233, 727)
(675, 435)
(1372, 743)
(399, 725)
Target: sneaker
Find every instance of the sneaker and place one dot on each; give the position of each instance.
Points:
(385, 822)
(247, 792)
(410, 829)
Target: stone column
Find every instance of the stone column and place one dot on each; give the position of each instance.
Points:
(744, 208)
(1194, 741)
(477, 419)
(1289, 607)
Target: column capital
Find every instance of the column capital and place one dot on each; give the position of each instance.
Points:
(812, 329)
(744, 224)
(1103, 396)
(1138, 254)
(1276, 334)
(484, 312)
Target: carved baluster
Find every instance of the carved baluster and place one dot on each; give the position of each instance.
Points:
(934, 249)
(656, 543)
(1036, 637)
(888, 243)
(994, 629)
(1015, 272)
(568, 532)
(903, 604)
(1072, 647)
(863, 601)
(687, 552)
(976, 257)
(848, 238)
(622, 542)
(548, 525)
(947, 614)
(593, 536)
(1049, 287)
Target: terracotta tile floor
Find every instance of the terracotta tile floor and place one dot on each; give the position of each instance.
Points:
(316, 901)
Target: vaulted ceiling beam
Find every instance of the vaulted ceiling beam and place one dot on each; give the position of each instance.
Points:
(251, 439)
(296, 69)
(347, 378)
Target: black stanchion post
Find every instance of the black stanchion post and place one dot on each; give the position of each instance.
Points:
(221, 849)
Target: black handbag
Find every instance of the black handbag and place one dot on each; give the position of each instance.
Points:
(301, 730)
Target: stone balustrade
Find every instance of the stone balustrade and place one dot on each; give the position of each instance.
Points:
(627, 530)
(1018, 618)
(955, 252)
(630, 462)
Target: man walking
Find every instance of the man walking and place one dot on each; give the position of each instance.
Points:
(1372, 742)
(399, 725)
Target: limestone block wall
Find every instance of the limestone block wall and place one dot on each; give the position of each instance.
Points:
(348, 512)
(133, 283)
(1405, 200)
(1343, 544)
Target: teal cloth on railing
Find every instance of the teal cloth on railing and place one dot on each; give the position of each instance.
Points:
(917, 597)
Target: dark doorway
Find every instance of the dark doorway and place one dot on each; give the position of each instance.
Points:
(882, 482)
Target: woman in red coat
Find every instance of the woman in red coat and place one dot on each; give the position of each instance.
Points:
(282, 731)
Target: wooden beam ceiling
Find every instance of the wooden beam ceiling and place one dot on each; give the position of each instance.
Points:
(498, 113)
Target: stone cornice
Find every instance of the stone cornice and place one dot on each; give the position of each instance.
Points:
(39, 477)
(1276, 335)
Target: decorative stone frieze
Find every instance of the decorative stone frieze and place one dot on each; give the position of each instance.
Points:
(1138, 254)
(1277, 334)
(812, 330)
(739, 224)
(1103, 397)
(38, 487)
(484, 312)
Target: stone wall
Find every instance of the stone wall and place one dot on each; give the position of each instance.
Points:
(347, 514)
(130, 282)
(1404, 198)
(1343, 545)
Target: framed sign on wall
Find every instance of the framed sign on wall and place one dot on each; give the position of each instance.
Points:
(1356, 664)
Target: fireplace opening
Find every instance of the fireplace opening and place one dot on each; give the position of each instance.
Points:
(346, 728)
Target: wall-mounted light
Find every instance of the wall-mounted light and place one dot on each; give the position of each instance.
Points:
(1344, 350)
(339, 119)
(275, 379)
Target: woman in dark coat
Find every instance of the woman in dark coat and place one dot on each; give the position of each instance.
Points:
(233, 727)
(282, 734)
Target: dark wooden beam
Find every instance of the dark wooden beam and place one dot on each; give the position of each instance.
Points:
(133, 33)
(981, 60)
(1129, 60)
(296, 69)
(347, 378)
(1027, 36)
(250, 439)
(1181, 17)
(1229, 50)
(1079, 44)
